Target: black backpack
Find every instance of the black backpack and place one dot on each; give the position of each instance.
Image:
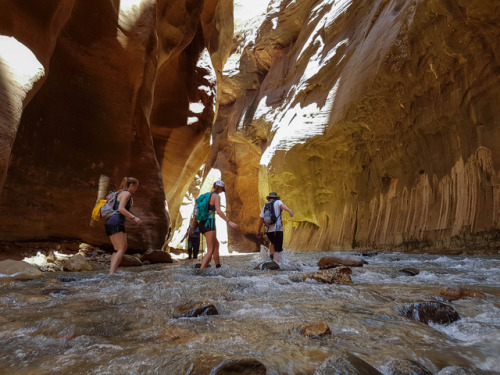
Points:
(269, 213)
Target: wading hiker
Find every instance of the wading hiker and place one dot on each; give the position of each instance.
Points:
(270, 216)
(193, 235)
(206, 206)
(115, 225)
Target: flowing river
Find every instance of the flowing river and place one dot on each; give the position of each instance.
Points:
(91, 323)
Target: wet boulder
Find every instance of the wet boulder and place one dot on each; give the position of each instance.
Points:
(240, 366)
(18, 270)
(430, 312)
(130, 261)
(156, 256)
(313, 329)
(76, 263)
(346, 363)
(457, 293)
(332, 261)
(410, 271)
(194, 309)
(339, 275)
(406, 367)
(268, 265)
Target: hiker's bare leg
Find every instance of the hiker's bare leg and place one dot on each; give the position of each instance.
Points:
(119, 241)
(211, 238)
(216, 252)
(277, 256)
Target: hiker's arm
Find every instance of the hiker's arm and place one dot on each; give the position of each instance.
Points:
(259, 231)
(285, 208)
(222, 215)
(125, 196)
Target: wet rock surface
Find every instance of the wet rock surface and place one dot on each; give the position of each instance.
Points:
(194, 309)
(430, 312)
(344, 260)
(340, 275)
(313, 329)
(346, 363)
(458, 292)
(407, 367)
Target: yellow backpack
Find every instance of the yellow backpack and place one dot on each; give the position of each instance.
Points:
(96, 212)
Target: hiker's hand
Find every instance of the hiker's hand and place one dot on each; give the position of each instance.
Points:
(137, 220)
(259, 234)
(232, 225)
(291, 213)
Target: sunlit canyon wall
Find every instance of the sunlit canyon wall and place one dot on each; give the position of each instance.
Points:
(377, 122)
(93, 88)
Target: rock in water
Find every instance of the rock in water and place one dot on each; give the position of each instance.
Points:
(430, 312)
(244, 366)
(407, 367)
(18, 270)
(346, 363)
(268, 265)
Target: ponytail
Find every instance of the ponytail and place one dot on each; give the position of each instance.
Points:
(127, 181)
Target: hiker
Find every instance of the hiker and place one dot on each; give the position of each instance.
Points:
(208, 204)
(271, 218)
(115, 225)
(193, 235)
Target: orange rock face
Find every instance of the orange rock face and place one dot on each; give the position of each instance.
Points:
(376, 123)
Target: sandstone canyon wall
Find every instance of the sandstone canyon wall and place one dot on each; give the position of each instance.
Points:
(108, 94)
(375, 121)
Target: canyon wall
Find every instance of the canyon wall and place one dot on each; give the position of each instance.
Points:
(375, 121)
(93, 91)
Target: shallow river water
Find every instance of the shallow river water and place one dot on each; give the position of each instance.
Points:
(91, 323)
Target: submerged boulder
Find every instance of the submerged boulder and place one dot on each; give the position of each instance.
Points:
(346, 363)
(18, 270)
(194, 309)
(410, 271)
(268, 265)
(240, 366)
(130, 261)
(331, 261)
(430, 312)
(339, 275)
(457, 293)
(455, 370)
(407, 367)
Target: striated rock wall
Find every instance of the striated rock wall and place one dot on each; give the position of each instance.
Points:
(376, 122)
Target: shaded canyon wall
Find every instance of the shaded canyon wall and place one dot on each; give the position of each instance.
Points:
(108, 95)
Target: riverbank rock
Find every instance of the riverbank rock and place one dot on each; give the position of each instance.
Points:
(313, 329)
(18, 270)
(430, 312)
(76, 263)
(410, 271)
(457, 293)
(268, 265)
(240, 366)
(156, 256)
(332, 261)
(346, 363)
(130, 261)
(194, 309)
(406, 367)
(340, 275)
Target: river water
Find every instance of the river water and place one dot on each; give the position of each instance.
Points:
(92, 323)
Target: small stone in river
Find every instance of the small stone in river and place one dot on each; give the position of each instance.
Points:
(194, 310)
(268, 265)
(313, 329)
(410, 271)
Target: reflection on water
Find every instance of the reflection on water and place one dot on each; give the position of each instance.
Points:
(93, 323)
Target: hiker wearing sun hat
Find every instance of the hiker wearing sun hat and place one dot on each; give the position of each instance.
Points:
(206, 206)
(270, 217)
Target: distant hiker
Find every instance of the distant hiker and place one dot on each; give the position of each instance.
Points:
(193, 235)
(271, 218)
(115, 225)
(206, 206)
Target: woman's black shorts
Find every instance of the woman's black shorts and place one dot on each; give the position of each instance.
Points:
(115, 224)
(207, 226)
